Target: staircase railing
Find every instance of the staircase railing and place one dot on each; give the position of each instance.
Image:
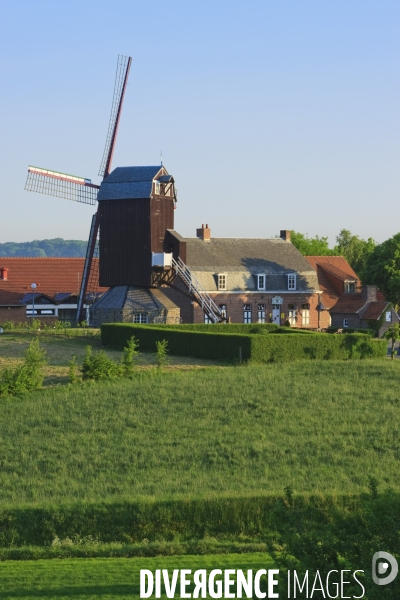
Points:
(207, 304)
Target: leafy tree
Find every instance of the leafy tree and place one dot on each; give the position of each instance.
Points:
(317, 246)
(393, 334)
(382, 268)
(43, 248)
(354, 249)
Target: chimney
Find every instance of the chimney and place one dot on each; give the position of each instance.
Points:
(4, 273)
(368, 293)
(285, 235)
(204, 233)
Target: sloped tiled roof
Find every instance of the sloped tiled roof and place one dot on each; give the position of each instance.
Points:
(128, 183)
(337, 266)
(243, 258)
(10, 298)
(52, 275)
(349, 303)
(374, 310)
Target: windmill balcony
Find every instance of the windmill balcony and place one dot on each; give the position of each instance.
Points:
(161, 260)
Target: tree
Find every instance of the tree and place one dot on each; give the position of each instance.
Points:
(354, 249)
(393, 334)
(382, 268)
(317, 246)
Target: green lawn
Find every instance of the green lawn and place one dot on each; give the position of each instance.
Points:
(318, 426)
(105, 578)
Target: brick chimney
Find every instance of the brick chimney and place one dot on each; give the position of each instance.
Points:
(285, 235)
(368, 293)
(204, 233)
(4, 273)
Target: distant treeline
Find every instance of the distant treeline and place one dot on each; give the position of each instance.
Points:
(55, 247)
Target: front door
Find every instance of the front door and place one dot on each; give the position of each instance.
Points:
(276, 314)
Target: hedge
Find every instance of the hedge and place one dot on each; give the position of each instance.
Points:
(254, 347)
(347, 330)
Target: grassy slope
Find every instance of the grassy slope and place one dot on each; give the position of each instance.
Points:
(320, 427)
(105, 578)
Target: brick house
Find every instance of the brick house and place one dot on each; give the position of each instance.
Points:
(251, 280)
(351, 305)
(364, 309)
(55, 298)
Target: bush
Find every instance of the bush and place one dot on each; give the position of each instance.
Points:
(73, 370)
(370, 332)
(27, 377)
(255, 347)
(98, 366)
(130, 355)
(162, 353)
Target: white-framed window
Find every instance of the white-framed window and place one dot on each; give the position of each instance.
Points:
(140, 318)
(207, 319)
(349, 287)
(223, 310)
(291, 281)
(157, 188)
(388, 316)
(305, 314)
(247, 313)
(260, 313)
(292, 314)
(222, 281)
(260, 282)
(345, 322)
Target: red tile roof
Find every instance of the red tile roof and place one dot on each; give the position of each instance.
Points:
(338, 266)
(374, 310)
(349, 303)
(52, 275)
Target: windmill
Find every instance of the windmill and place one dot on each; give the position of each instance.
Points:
(79, 189)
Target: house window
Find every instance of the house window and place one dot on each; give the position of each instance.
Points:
(291, 282)
(140, 318)
(223, 310)
(207, 319)
(261, 283)
(389, 316)
(305, 314)
(247, 313)
(349, 287)
(157, 188)
(292, 314)
(345, 322)
(222, 281)
(261, 313)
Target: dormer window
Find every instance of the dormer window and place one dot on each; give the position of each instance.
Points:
(349, 287)
(221, 281)
(157, 188)
(291, 282)
(260, 282)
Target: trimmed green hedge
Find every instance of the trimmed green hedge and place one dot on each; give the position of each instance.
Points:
(347, 330)
(255, 347)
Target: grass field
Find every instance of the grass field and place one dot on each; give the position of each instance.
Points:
(61, 349)
(319, 427)
(105, 578)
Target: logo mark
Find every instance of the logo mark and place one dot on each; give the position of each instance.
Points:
(380, 568)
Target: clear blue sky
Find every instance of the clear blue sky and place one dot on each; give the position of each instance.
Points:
(270, 114)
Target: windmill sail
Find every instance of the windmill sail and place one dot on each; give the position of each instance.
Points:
(61, 185)
(121, 78)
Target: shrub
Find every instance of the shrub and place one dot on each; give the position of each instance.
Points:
(98, 366)
(162, 353)
(130, 355)
(28, 376)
